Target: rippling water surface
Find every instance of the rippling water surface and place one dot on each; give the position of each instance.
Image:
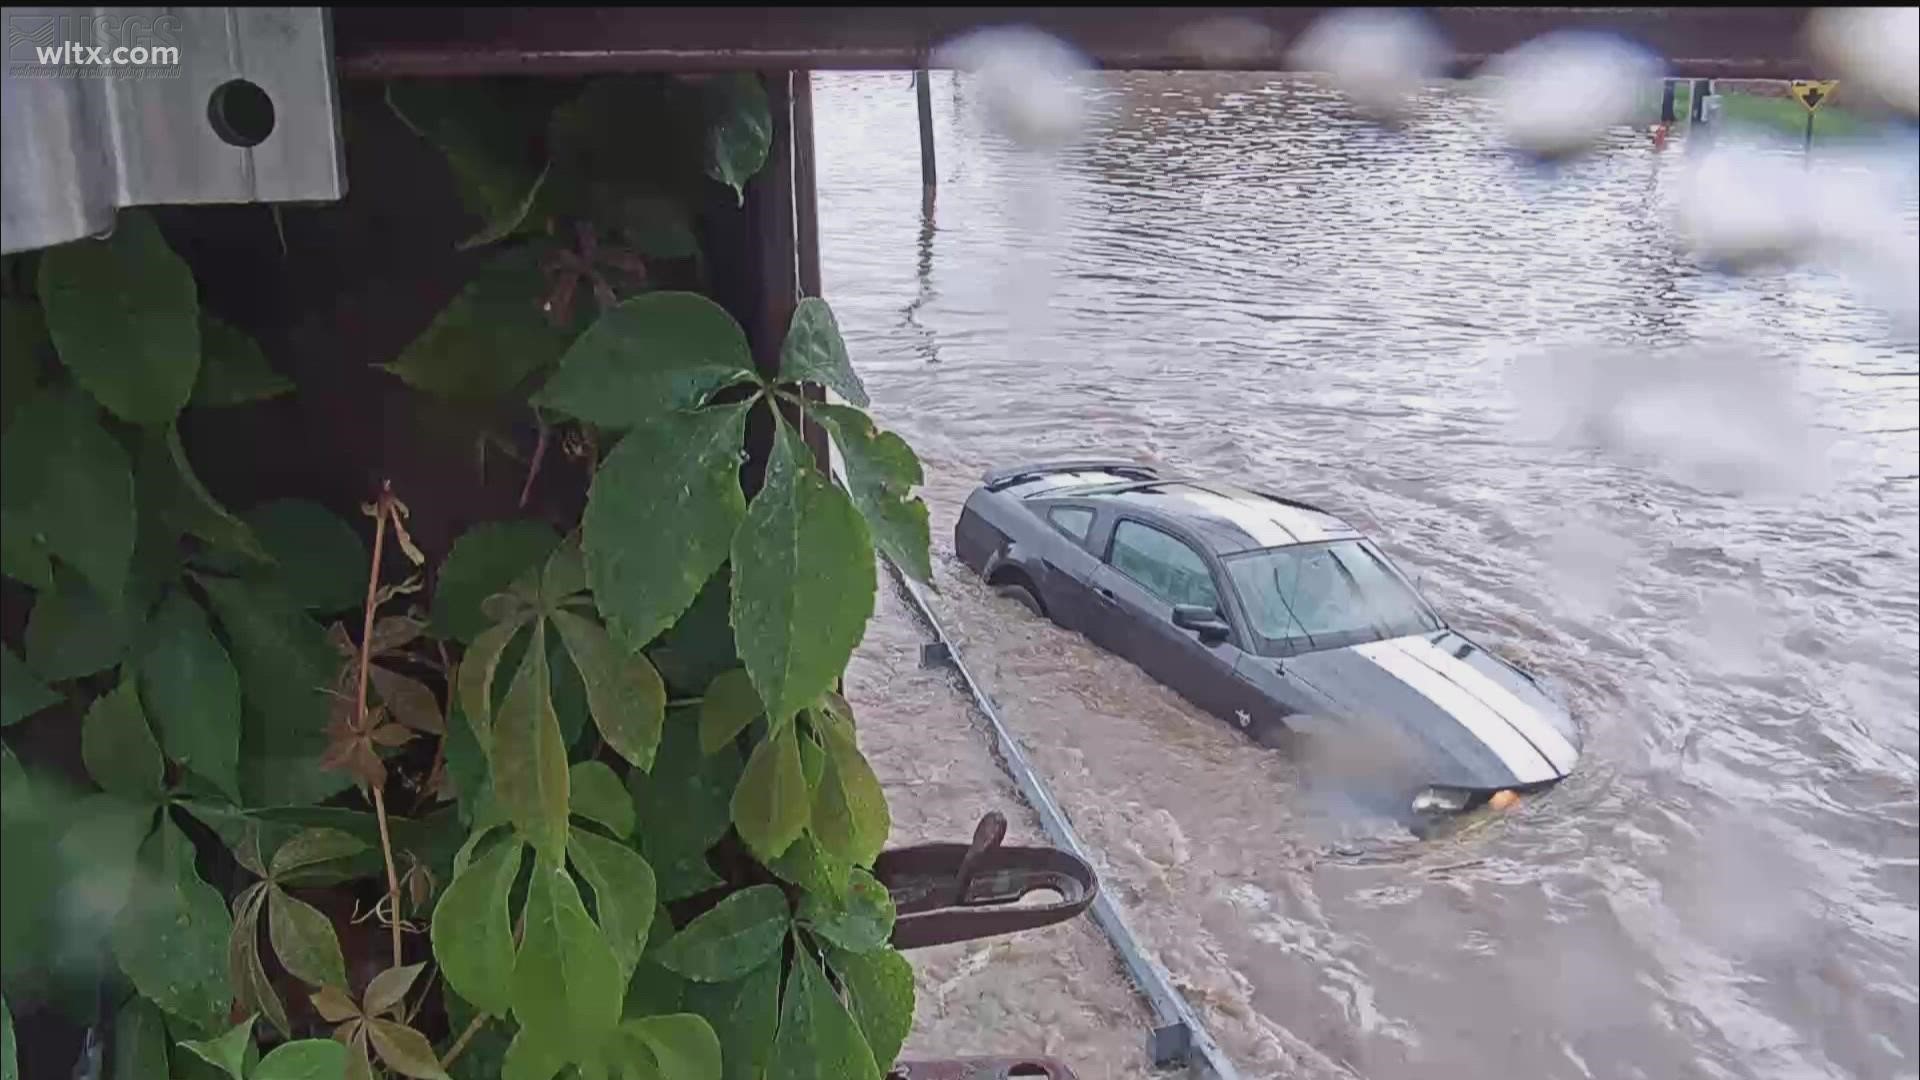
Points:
(1230, 276)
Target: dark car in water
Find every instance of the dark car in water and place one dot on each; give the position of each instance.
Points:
(1273, 615)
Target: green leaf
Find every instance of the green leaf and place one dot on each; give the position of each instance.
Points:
(656, 227)
(193, 692)
(479, 672)
(531, 1057)
(233, 370)
(172, 942)
(744, 1015)
(817, 1036)
(119, 750)
(597, 795)
(319, 560)
(304, 940)
(770, 802)
(859, 921)
(22, 557)
(304, 1059)
(387, 992)
(802, 582)
(139, 1041)
(489, 130)
(125, 316)
(490, 338)
(726, 709)
(683, 807)
(23, 346)
(881, 473)
(245, 973)
(313, 855)
(564, 575)
(228, 1053)
(623, 893)
(472, 938)
(485, 1055)
(683, 1045)
(699, 645)
(404, 1050)
(72, 631)
(286, 665)
(625, 693)
(815, 352)
(732, 938)
(646, 357)
(567, 981)
(67, 486)
(739, 129)
(850, 815)
(809, 866)
(21, 694)
(9, 1053)
(165, 481)
(879, 989)
(530, 757)
(485, 560)
(684, 469)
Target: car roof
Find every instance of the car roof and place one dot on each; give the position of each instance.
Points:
(1227, 518)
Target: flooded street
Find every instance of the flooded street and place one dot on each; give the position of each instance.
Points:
(1228, 275)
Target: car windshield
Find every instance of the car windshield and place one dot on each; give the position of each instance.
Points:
(1325, 596)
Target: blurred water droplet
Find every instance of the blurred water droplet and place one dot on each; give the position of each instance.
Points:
(1877, 48)
(1741, 209)
(1028, 82)
(1378, 57)
(1559, 93)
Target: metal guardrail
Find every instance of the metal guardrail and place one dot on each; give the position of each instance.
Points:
(1178, 1037)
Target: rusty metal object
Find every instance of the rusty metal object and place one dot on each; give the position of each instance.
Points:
(377, 42)
(958, 892)
(981, 1068)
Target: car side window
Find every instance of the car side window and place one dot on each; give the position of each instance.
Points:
(1072, 520)
(1164, 565)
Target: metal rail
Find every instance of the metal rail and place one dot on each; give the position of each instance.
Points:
(1178, 1038)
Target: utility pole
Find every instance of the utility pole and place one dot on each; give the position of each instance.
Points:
(929, 177)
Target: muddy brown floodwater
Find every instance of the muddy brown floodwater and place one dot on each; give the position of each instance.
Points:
(1229, 275)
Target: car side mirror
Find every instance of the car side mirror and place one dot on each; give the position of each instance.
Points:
(1204, 622)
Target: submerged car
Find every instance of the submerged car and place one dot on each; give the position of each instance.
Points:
(1272, 614)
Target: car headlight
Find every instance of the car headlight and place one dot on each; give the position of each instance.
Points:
(1441, 800)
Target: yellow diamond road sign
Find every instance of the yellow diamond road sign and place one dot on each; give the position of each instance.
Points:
(1812, 94)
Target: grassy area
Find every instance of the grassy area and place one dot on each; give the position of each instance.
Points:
(1782, 115)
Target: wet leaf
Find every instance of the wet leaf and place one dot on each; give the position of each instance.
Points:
(683, 1045)
(817, 1036)
(596, 794)
(319, 560)
(404, 1050)
(530, 757)
(233, 370)
(879, 989)
(531, 1057)
(228, 1053)
(739, 129)
(683, 807)
(849, 816)
(165, 480)
(304, 1059)
(682, 468)
(809, 866)
(625, 694)
(24, 348)
(485, 560)
(173, 943)
(745, 1015)
(726, 709)
(814, 352)
(192, 691)
(311, 852)
(119, 750)
(139, 1042)
(72, 632)
(124, 314)
(245, 973)
(881, 473)
(732, 938)
(472, 938)
(490, 338)
(567, 982)
(699, 644)
(387, 991)
(487, 128)
(623, 893)
(770, 803)
(647, 357)
(304, 940)
(684, 876)
(803, 582)
(21, 694)
(858, 921)
(408, 700)
(479, 671)
(67, 486)
(334, 1006)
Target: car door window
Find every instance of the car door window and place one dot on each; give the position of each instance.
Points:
(1072, 520)
(1167, 567)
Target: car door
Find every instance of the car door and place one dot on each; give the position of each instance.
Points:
(1147, 571)
(1067, 566)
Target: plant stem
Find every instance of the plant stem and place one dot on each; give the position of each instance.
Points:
(460, 1044)
(539, 455)
(381, 509)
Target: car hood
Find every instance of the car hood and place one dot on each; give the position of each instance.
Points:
(1459, 715)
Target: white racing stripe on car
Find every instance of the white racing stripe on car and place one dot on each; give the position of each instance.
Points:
(1538, 729)
(1527, 763)
(1255, 522)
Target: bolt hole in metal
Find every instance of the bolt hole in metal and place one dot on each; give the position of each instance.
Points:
(241, 113)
